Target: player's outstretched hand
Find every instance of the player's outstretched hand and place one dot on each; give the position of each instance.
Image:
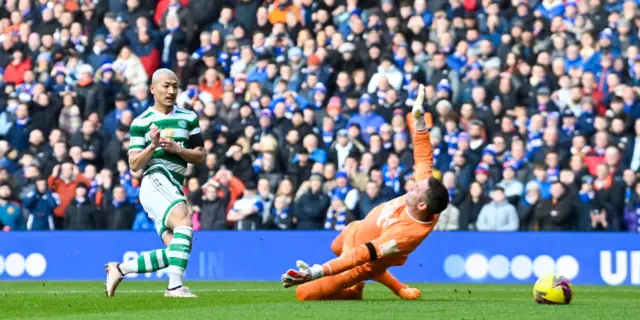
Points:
(417, 104)
(303, 274)
(409, 293)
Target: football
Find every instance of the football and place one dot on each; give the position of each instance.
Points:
(553, 289)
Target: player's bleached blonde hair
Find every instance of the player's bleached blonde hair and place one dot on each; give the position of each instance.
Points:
(162, 72)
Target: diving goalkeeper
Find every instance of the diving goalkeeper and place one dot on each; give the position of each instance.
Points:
(385, 238)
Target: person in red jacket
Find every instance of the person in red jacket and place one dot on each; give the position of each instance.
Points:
(63, 181)
(16, 69)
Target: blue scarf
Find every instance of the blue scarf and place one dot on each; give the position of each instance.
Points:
(515, 163)
(436, 152)
(327, 137)
(280, 216)
(553, 174)
(340, 219)
(381, 95)
(117, 204)
(341, 192)
(125, 178)
(586, 197)
(452, 141)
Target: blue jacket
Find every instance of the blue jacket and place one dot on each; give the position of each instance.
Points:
(142, 222)
(11, 216)
(365, 121)
(18, 136)
(111, 120)
(550, 13)
(40, 208)
(96, 61)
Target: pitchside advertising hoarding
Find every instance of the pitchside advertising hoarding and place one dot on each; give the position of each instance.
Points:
(585, 258)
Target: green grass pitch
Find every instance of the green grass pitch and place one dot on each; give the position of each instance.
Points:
(267, 300)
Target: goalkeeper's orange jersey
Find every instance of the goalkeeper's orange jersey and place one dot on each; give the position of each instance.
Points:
(389, 227)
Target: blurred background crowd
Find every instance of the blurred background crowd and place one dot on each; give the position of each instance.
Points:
(533, 108)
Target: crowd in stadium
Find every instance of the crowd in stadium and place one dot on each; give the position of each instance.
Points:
(533, 108)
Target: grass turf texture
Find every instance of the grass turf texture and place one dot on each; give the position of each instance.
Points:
(267, 300)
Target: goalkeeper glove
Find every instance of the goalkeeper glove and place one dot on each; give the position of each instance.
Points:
(417, 104)
(418, 112)
(303, 274)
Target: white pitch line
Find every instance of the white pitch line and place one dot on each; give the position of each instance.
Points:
(131, 291)
(461, 289)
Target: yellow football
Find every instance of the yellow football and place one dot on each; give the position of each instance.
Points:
(166, 133)
(553, 289)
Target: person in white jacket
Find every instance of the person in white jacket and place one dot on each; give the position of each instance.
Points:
(129, 68)
(386, 69)
(498, 215)
(448, 219)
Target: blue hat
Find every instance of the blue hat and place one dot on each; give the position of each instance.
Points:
(266, 113)
(319, 87)
(355, 12)
(482, 168)
(342, 174)
(571, 3)
(444, 85)
(606, 34)
(489, 151)
(227, 81)
(294, 52)
(107, 67)
(365, 98)
(475, 66)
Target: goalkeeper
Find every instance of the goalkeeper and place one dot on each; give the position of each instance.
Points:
(385, 238)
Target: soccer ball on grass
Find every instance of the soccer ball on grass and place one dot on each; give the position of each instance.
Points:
(553, 289)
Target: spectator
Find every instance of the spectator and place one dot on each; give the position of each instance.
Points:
(121, 213)
(246, 213)
(81, 213)
(632, 211)
(528, 206)
(89, 142)
(16, 70)
(280, 217)
(10, 213)
(337, 216)
(449, 219)
(70, 118)
(498, 215)
(513, 188)
(129, 69)
(18, 134)
(311, 217)
(370, 199)
(212, 215)
(557, 212)
(63, 181)
(608, 201)
(40, 203)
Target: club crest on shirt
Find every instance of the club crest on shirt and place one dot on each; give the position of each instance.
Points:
(182, 124)
(11, 210)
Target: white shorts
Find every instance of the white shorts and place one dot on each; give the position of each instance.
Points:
(158, 196)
